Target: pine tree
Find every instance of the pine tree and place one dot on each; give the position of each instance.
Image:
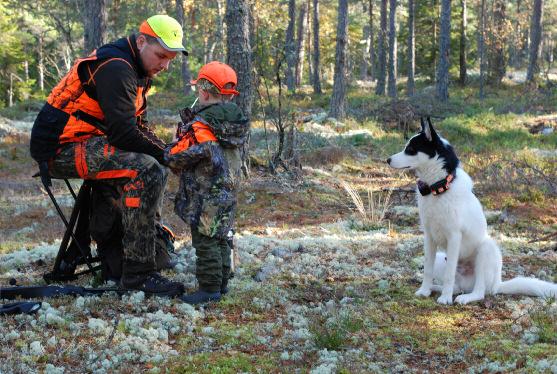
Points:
(338, 99)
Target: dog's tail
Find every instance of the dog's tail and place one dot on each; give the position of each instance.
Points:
(528, 287)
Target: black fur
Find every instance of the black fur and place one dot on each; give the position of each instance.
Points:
(420, 143)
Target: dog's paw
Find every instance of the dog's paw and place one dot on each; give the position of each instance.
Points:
(424, 292)
(445, 299)
(467, 298)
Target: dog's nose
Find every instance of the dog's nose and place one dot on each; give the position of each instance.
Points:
(389, 161)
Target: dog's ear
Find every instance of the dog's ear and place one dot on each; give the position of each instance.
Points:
(422, 122)
(428, 130)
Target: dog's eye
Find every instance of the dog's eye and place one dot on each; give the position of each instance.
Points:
(410, 150)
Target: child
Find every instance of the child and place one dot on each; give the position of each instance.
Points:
(208, 155)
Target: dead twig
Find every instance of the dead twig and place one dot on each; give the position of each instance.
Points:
(544, 238)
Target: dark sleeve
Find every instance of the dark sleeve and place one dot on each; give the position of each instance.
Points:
(116, 88)
(149, 133)
(189, 157)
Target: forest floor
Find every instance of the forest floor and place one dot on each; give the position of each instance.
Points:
(319, 287)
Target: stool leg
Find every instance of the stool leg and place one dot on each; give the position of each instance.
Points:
(69, 227)
(70, 188)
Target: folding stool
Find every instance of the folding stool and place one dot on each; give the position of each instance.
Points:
(77, 229)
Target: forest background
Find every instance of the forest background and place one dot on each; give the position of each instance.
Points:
(329, 243)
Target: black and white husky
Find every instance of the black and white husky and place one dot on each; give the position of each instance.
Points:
(452, 219)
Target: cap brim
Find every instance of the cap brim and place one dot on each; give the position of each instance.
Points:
(173, 48)
(229, 91)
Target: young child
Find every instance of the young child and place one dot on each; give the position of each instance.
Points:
(208, 154)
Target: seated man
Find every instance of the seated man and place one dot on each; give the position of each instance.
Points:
(92, 127)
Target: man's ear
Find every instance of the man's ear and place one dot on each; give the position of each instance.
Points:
(140, 41)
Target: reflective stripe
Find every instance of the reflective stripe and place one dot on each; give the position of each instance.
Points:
(80, 161)
(102, 64)
(132, 202)
(69, 96)
(105, 151)
(112, 174)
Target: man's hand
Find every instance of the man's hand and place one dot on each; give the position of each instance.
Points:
(168, 159)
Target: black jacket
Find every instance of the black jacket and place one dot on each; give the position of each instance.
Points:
(114, 86)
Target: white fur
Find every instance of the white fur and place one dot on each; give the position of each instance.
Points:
(454, 220)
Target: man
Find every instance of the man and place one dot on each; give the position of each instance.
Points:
(92, 127)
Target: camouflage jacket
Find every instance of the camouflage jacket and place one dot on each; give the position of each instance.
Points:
(206, 198)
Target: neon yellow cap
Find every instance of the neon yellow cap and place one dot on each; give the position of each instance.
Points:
(167, 31)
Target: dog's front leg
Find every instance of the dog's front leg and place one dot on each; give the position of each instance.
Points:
(429, 252)
(453, 250)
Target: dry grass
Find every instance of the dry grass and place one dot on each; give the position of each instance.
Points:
(373, 213)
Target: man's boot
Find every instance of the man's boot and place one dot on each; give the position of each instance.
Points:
(148, 281)
(200, 296)
(224, 286)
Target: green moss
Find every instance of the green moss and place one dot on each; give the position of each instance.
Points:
(223, 363)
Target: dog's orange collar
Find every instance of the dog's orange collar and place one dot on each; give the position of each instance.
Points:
(438, 187)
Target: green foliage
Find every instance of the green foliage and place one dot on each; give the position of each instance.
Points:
(546, 322)
(332, 331)
(224, 363)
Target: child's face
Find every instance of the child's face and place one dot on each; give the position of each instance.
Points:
(206, 97)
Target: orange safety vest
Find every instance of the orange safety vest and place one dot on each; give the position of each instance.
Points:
(70, 97)
(199, 133)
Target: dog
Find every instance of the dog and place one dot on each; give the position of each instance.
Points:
(452, 219)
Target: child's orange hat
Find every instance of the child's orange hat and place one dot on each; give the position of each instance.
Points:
(219, 74)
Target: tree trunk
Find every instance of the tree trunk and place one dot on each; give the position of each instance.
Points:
(290, 47)
(392, 48)
(498, 41)
(40, 61)
(26, 70)
(524, 36)
(300, 38)
(308, 43)
(444, 46)
(94, 24)
(382, 63)
(371, 44)
(463, 43)
(535, 39)
(338, 99)
(11, 91)
(239, 50)
(410, 86)
(364, 64)
(481, 48)
(434, 45)
(316, 67)
(239, 57)
(185, 68)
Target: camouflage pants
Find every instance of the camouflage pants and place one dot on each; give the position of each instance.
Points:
(139, 177)
(213, 261)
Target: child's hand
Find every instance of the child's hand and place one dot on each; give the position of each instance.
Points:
(186, 115)
(178, 134)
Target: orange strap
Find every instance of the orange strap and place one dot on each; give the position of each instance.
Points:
(201, 133)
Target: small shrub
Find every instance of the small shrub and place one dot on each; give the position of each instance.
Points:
(333, 333)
